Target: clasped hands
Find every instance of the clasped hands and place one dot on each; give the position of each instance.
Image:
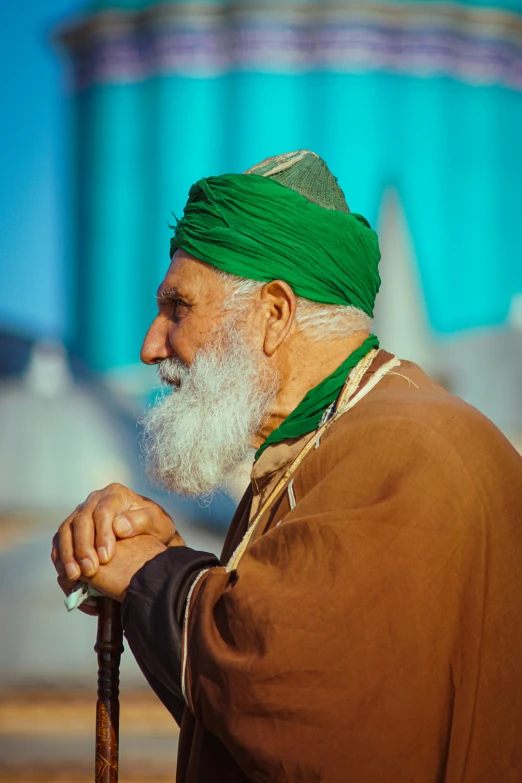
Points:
(108, 538)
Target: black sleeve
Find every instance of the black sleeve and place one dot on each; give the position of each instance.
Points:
(152, 616)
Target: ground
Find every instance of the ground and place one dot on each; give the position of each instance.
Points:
(48, 737)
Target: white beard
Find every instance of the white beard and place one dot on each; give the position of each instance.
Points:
(197, 434)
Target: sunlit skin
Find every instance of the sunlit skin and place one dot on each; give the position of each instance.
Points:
(190, 304)
(190, 309)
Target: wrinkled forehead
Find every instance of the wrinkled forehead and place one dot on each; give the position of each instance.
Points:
(191, 279)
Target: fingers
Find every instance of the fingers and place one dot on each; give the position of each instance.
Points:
(150, 520)
(87, 538)
(88, 530)
(105, 540)
(67, 585)
(83, 535)
(92, 611)
(70, 565)
(55, 557)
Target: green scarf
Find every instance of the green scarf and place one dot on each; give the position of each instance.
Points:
(307, 416)
(256, 228)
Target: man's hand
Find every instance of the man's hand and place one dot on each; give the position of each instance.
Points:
(87, 538)
(114, 578)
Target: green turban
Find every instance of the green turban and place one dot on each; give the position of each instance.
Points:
(256, 228)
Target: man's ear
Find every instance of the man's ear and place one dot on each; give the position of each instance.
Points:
(280, 305)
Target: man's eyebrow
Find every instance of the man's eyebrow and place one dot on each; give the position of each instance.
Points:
(169, 293)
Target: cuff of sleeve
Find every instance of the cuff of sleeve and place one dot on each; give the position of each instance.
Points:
(152, 612)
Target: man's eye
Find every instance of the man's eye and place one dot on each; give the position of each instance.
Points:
(177, 304)
(171, 304)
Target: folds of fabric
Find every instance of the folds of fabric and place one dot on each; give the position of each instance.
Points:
(374, 633)
(258, 229)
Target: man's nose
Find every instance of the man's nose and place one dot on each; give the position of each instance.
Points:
(156, 345)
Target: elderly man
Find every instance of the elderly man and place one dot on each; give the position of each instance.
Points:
(364, 622)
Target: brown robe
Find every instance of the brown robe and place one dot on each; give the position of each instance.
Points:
(373, 634)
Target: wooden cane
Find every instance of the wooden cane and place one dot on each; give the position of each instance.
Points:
(109, 647)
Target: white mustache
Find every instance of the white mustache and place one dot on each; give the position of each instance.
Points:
(173, 370)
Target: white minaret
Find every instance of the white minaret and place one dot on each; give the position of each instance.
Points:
(401, 319)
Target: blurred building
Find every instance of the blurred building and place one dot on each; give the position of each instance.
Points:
(60, 437)
(417, 108)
